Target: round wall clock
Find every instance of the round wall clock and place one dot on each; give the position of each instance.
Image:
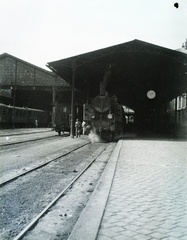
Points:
(151, 94)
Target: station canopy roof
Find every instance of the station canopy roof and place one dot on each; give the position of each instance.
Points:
(130, 70)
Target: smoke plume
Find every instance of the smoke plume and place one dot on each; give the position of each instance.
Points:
(93, 136)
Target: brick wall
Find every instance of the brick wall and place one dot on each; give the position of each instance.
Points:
(14, 71)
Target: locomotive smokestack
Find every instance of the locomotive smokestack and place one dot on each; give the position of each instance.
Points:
(102, 88)
(105, 81)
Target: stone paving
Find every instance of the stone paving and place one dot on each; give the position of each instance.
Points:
(148, 198)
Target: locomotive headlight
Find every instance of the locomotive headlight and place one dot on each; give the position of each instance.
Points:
(109, 116)
(88, 127)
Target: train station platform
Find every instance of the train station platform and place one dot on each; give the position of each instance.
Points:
(141, 195)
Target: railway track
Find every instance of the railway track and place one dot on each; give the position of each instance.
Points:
(19, 132)
(25, 138)
(90, 161)
(40, 165)
(61, 194)
(61, 171)
(26, 141)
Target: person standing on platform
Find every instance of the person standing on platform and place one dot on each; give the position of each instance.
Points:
(84, 127)
(77, 128)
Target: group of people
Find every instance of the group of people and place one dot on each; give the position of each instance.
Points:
(80, 128)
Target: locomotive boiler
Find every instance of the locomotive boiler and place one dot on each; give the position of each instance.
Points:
(105, 117)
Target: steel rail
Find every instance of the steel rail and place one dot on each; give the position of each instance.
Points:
(31, 140)
(39, 166)
(24, 133)
(62, 193)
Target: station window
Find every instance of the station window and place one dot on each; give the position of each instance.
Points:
(179, 102)
(184, 100)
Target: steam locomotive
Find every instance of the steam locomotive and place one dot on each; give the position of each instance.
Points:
(105, 117)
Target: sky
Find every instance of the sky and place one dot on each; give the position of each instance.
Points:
(42, 31)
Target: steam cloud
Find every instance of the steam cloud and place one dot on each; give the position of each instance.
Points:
(94, 137)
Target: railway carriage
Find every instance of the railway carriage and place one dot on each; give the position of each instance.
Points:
(11, 116)
(63, 116)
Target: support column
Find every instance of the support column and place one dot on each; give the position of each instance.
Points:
(53, 105)
(72, 128)
(14, 95)
(175, 119)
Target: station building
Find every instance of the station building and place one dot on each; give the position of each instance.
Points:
(149, 80)
(26, 85)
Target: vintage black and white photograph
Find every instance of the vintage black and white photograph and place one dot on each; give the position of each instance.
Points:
(93, 120)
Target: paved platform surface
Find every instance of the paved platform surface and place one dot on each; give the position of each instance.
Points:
(140, 196)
